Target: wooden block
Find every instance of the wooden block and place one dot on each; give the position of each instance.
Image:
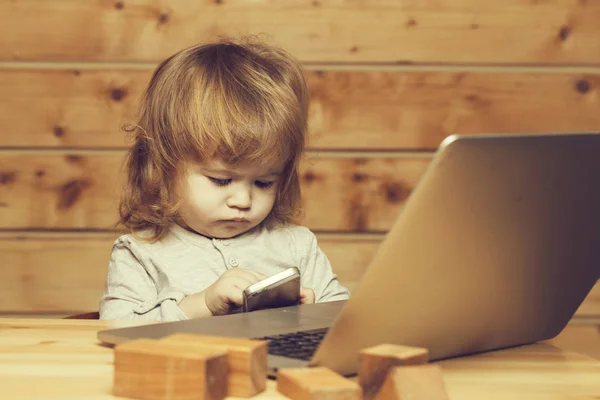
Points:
(375, 363)
(317, 383)
(151, 369)
(414, 382)
(247, 361)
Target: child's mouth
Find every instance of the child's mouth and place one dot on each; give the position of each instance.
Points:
(237, 220)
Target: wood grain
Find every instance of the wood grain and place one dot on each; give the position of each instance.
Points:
(80, 191)
(424, 381)
(583, 338)
(383, 31)
(53, 272)
(376, 363)
(591, 307)
(68, 108)
(61, 359)
(357, 110)
(66, 272)
(157, 370)
(59, 191)
(317, 383)
(246, 359)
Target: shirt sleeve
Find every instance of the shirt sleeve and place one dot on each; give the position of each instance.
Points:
(131, 292)
(315, 268)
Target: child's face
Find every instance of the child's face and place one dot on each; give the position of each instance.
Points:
(221, 201)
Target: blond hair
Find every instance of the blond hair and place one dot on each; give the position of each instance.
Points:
(234, 101)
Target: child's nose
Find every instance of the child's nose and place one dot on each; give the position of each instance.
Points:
(240, 198)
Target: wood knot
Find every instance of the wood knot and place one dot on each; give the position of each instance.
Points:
(118, 94)
(320, 73)
(70, 192)
(411, 22)
(218, 1)
(354, 49)
(564, 33)
(73, 159)
(163, 18)
(119, 5)
(39, 173)
(395, 192)
(474, 26)
(7, 177)
(582, 86)
(59, 131)
(309, 177)
(476, 101)
(76, 72)
(316, 3)
(358, 177)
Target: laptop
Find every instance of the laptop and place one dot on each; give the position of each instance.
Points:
(497, 246)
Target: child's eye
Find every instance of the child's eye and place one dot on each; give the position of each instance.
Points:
(263, 184)
(219, 182)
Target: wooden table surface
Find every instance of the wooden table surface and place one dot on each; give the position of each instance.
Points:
(62, 359)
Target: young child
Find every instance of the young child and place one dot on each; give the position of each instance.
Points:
(212, 187)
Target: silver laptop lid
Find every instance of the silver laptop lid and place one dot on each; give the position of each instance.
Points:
(497, 246)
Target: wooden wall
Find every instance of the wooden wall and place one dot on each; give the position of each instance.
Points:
(388, 79)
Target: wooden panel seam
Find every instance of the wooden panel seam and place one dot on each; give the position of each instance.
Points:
(329, 67)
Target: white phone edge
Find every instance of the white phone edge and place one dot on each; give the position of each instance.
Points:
(283, 276)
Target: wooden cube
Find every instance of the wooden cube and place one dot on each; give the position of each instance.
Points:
(375, 363)
(317, 383)
(415, 382)
(151, 369)
(247, 361)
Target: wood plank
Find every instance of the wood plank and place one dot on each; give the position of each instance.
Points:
(66, 272)
(383, 31)
(55, 190)
(62, 360)
(389, 110)
(68, 108)
(53, 273)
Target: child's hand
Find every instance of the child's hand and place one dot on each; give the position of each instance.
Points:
(307, 296)
(225, 294)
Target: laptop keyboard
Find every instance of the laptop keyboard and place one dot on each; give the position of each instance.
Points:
(300, 345)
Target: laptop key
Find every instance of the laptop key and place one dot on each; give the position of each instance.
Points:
(299, 345)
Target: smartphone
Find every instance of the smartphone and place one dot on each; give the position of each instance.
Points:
(279, 290)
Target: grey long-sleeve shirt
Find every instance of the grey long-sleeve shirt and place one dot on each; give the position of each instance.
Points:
(148, 280)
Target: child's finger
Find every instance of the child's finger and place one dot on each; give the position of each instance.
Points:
(243, 281)
(256, 274)
(307, 296)
(236, 298)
